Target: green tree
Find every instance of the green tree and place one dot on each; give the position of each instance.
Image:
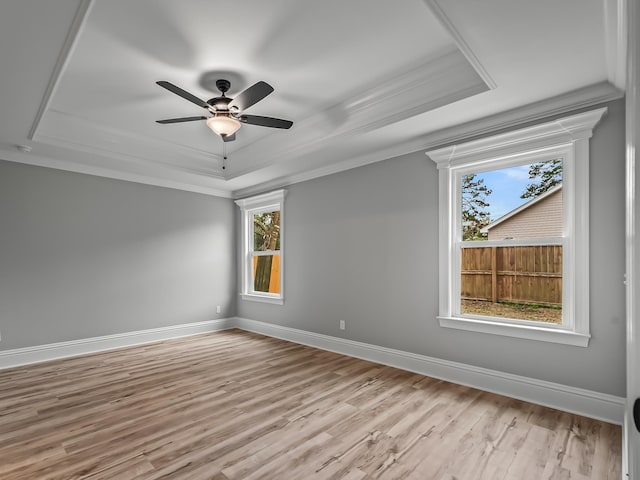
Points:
(546, 174)
(475, 215)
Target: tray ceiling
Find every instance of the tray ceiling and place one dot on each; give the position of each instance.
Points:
(361, 80)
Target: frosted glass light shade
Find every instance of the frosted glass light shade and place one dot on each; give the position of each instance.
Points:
(223, 125)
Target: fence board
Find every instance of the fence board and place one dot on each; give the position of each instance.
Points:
(518, 274)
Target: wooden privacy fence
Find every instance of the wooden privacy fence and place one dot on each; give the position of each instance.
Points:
(517, 274)
(266, 273)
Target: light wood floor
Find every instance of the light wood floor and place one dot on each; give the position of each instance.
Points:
(235, 405)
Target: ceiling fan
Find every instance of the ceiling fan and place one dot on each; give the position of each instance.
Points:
(227, 113)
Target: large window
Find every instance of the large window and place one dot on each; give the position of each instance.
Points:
(514, 232)
(262, 254)
(512, 226)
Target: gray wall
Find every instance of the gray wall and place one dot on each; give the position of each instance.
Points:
(362, 246)
(84, 256)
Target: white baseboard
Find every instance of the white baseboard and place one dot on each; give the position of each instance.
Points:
(588, 403)
(53, 351)
(601, 406)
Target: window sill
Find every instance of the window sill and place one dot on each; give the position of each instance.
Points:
(262, 298)
(544, 334)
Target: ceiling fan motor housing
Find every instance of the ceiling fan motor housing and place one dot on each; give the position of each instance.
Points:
(219, 103)
(223, 85)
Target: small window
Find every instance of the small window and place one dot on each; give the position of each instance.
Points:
(266, 252)
(514, 232)
(262, 260)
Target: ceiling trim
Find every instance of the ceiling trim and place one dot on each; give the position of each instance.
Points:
(125, 157)
(440, 81)
(534, 137)
(96, 140)
(578, 99)
(575, 100)
(464, 47)
(70, 42)
(582, 98)
(615, 33)
(116, 174)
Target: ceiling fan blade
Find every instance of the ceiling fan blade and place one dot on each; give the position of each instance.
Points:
(228, 138)
(265, 121)
(250, 96)
(180, 120)
(183, 93)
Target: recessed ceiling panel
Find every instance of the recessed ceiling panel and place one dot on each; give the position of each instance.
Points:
(338, 68)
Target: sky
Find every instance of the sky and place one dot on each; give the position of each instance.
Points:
(507, 185)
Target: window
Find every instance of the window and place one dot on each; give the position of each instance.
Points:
(511, 223)
(262, 251)
(514, 232)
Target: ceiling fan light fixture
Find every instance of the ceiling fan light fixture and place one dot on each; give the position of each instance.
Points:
(223, 125)
(227, 113)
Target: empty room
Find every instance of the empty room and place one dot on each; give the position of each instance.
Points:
(319, 240)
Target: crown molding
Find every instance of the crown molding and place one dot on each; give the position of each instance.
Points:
(64, 130)
(615, 36)
(116, 174)
(560, 130)
(69, 45)
(276, 196)
(464, 47)
(572, 101)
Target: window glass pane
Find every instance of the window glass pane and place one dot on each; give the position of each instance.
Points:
(266, 273)
(518, 282)
(523, 201)
(266, 231)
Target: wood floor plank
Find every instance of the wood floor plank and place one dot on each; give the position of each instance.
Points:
(235, 405)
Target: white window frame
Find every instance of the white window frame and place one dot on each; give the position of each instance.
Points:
(566, 138)
(267, 202)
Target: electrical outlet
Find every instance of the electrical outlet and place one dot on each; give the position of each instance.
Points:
(218, 309)
(343, 324)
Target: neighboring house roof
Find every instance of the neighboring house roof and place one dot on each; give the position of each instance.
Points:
(521, 208)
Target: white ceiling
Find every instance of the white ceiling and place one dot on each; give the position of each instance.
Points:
(362, 80)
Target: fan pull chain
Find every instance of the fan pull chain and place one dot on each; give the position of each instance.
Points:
(224, 155)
